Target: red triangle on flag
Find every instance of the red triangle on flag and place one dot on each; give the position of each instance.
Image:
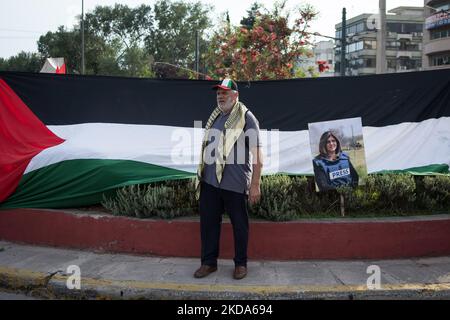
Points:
(61, 70)
(22, 136)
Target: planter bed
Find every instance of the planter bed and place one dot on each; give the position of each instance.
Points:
(365, 238)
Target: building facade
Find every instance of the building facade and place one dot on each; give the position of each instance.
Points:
(324, 51)
(436, 34)
(403, 42)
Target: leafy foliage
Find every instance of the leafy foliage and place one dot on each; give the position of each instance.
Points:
(434, 192)
(24, 61)
(165, 201)
(285, 198)
(249, 21)
(266, 48)
(124, 41)
(67, 44)
(130, 26)
(173, 40)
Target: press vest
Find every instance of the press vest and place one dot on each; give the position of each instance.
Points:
(337, 171)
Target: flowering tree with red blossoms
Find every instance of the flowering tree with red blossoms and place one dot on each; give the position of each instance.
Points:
(269, 49)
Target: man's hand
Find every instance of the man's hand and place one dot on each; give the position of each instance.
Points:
(254, 194)
(255, 190)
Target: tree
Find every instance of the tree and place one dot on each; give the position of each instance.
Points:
(137, 62)
(124, 30)
(254, 11)
(270, 49)
(173, 38)
(24, 61)
(114, 39)
(67, 44)
(126, 27)
(127, 41)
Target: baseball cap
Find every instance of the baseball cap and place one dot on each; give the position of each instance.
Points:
(226, 84)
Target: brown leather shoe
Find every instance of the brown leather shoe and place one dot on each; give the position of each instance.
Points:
(204, 270)
(239, 272)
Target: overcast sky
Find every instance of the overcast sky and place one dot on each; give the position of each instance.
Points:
(23, 21)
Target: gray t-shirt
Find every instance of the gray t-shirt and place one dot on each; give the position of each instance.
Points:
(237, 173)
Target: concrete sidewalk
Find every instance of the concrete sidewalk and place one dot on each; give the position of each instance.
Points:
(43, 272)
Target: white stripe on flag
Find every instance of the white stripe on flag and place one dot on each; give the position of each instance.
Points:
(395, 147)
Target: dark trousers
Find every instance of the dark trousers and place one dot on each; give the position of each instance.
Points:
(213, 203)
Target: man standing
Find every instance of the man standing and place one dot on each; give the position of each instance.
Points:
(228, 176)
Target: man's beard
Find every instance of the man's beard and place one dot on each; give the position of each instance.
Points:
(226, 106)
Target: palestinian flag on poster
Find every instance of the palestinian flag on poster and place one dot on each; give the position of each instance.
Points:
(67, 140)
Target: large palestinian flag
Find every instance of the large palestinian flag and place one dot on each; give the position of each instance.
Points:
(66, 140)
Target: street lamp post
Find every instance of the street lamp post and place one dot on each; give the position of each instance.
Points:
(381, 39)
(197, 53)
(343, 42)
(342, 39)
(82, 38)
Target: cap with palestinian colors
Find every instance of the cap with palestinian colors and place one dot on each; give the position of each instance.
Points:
(226, 84)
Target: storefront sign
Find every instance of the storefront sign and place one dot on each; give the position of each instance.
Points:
(437, 20)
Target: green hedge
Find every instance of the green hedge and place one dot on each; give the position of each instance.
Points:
(166, 200)
(287, 198)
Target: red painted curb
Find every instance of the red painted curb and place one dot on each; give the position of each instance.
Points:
(307, 239)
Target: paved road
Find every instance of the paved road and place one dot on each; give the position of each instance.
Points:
(102, 276)
(13, 296)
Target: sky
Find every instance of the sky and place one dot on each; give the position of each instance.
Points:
(23, 21)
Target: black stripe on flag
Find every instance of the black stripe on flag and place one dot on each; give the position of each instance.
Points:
(287, 105)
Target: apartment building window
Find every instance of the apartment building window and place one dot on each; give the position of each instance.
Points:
(370, 44)
(394, 27)
(441, 60)
(404, 27)
(355, 28)
(443, 7)
(405, 63)
(362, 63)
(392, 63)
(410, 46)
(413, 27)
(392, 45)
(437, 34)
(403, 45)
(356, 46)
(360, 27)
(370, 62)
(356, 63)
(352, 29)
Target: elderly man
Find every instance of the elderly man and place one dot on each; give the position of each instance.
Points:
(228, 176)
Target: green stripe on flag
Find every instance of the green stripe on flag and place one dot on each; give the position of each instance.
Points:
(433, 169)
(77, 183)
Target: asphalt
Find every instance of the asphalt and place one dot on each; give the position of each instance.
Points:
(43, 272)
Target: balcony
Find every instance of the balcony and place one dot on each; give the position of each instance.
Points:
(404, 36)
(437, 45)
(409, 54)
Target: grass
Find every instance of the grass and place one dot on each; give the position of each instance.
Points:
(358, 160)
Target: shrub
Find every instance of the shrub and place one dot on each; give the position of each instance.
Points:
(309, 202)
(434, 193)
(278, 199)
(169, 200)
(285, 198)
(396, 191)
(382, 193)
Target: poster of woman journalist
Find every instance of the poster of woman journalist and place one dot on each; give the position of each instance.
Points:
(338, 154)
